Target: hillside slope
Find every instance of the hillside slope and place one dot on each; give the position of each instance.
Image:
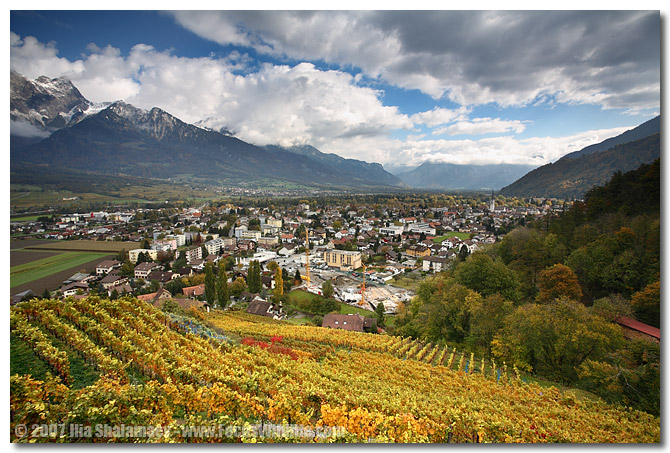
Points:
(572, 178)
(176, 373)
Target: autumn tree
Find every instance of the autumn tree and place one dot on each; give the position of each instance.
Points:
(279, 284)
(647, 304)
(558, 281)
(554, 339)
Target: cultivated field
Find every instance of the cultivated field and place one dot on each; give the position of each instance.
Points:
(45, 267)
(27, 243)
(87, 246)
(20, 257)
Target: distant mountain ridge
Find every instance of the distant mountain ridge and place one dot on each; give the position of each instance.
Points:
(356, 169)
(118, 138)
(573, 177)
(645, 129)
(444, 176)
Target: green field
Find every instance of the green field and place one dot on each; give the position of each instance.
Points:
(345, 309)
(407, 281)
(29, 218)
(28, 272)
(451, 234)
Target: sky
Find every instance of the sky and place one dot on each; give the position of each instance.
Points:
(394, 87)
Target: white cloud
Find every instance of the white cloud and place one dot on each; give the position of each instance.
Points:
(608, 58)
(482, 126)
(438, 116)
(33, 59)
(495, 150)
(279, 104)
(27, 130)
(275, 105)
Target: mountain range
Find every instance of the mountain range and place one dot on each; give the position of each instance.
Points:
(55, 127)
(118, 138)
(443, 176)
(575, 173)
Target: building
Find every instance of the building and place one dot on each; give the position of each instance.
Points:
(134, 254)
(268, 240)
(435, 264)
(213, 247)
(353, 322)
(113, 279)
(107, 266)
(417, 250)
(193, 253)
(391, 230)
(274, 222)
(143, 270)
(194, 291)
(262, 307)
(633, 329)
(343, 259)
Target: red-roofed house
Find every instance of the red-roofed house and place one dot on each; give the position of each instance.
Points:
(633, 329)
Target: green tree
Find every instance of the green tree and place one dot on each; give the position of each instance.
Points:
(127, 268)
(222, 291)
(440, 311)
(487, 317)
(327, 289)
(487, 276)
(463, 253)
(238, 287)
(210, 284)
(122, 255)
(379, 312)
(254, 277)
(180, 262)
(554, 339)
(288, 283)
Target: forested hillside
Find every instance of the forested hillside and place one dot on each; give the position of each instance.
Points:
(545, 297)
(572, 177)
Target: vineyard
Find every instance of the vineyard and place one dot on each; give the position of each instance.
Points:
(233, 368)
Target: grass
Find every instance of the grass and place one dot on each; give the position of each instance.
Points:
(345, 309)
(29, 218)
(579, 393)
(405, 281)
(451, 234)
(28, 272)
(22, 359)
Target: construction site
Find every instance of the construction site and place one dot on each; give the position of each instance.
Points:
(356, 289)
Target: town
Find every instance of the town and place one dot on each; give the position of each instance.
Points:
(371, 255)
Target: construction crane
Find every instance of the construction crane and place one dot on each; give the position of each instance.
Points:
(362, 301)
